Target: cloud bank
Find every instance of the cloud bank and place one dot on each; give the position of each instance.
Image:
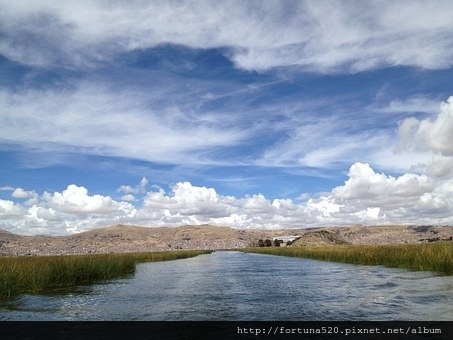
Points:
(367, 197)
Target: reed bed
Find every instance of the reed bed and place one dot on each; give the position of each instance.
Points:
(39, 274)
(436, 257)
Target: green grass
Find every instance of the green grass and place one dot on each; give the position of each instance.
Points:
(39, 274)
(436, 257)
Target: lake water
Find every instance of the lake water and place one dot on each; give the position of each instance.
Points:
(243, 286)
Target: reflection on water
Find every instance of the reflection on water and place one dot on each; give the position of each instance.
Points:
(239, 286)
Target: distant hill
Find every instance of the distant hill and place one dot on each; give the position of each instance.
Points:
(122, 238)
(320, 237)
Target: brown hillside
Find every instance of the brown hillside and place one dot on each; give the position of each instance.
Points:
(121, 238)
(319, 238)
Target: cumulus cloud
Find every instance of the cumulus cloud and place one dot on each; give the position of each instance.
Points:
(432, 135)
(383, 199)
(314, 35)
(365, 184)
(440, 166)
(75, 200)
(21, 193)
(9, 209)
(31, 196)
(72, 210)
(366, 197)
(187, 200)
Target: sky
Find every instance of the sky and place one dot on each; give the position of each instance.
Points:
(249, 114)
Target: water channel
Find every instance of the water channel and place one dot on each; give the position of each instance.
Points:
(234, 286)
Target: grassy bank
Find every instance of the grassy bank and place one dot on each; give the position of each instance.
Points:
(42, 273)
(437, 257)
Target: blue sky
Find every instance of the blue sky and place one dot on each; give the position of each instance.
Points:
(252, 114)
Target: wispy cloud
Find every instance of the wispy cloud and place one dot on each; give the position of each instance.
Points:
(93, 119)
(312, 35)
(326, 137)
(412, 104)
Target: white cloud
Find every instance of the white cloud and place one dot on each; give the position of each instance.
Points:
(76, 200)
(37, 215)
(310, 139)
(366, 197)
(128, 198)
(89, 118)
(93, 119)
(369, 197)
(317, 142)
(21, 193)
(440, 166)
(432, 136)
(31, 196)
(188, 204)
(314, 35)
(188, 200)
(9, 209)
(139, 188)
(72, 210)
(365, 184)
(412, 104)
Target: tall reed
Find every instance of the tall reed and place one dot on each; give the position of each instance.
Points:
(437, 257)
(42, 273)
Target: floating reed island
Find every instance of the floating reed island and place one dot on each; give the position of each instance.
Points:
(39, 274)
(436, 256)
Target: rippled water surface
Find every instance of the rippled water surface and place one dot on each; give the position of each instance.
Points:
(244, 286)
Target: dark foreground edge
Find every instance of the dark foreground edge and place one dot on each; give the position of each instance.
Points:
(224, 330)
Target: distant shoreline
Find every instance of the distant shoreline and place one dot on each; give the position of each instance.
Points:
(132, 239)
